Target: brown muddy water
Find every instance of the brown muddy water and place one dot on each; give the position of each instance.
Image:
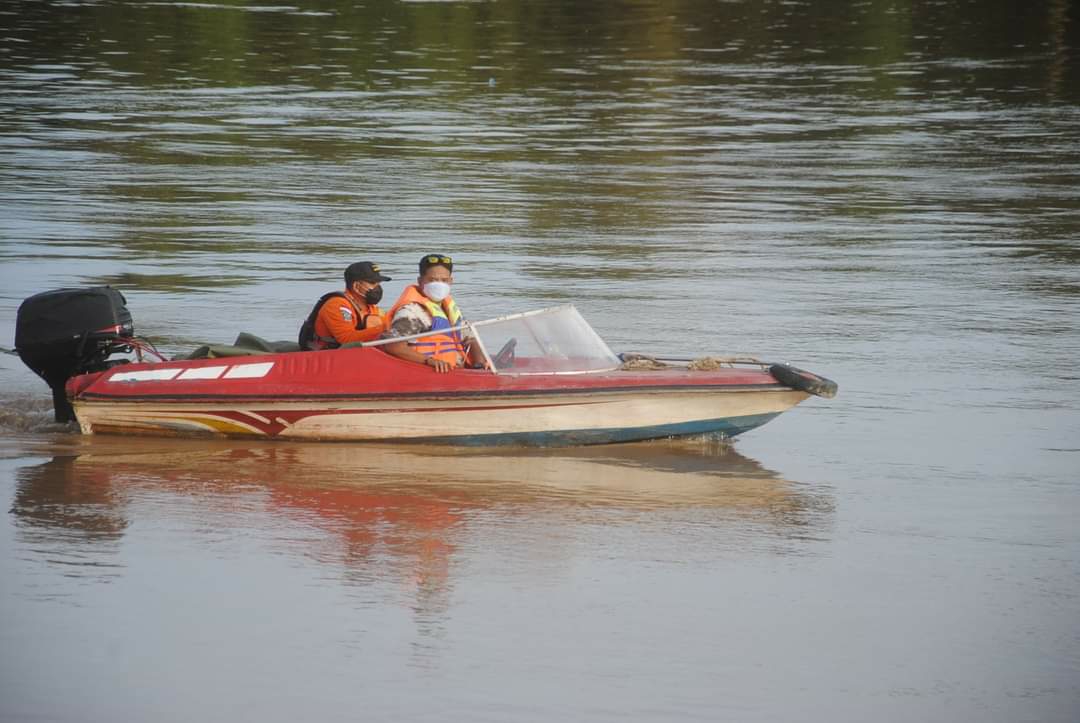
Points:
(885, 192)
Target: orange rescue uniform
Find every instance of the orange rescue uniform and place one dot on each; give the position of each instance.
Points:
(338, 319)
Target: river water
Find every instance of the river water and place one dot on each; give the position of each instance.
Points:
(886, 192)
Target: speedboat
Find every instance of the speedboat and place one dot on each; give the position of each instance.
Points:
(549, 380)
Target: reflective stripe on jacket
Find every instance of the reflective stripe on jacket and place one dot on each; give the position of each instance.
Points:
(446, 347)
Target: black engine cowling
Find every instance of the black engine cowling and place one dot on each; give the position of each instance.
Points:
(66, 332)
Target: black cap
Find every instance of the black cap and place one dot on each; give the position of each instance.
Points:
(430, 260)
(364, 271)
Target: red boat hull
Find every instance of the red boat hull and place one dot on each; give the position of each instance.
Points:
(365, 394)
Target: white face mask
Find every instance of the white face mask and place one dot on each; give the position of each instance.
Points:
(436, 290)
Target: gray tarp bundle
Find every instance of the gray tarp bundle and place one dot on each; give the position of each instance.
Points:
(245, 345)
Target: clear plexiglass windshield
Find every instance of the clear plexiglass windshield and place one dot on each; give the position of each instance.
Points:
(549, 341)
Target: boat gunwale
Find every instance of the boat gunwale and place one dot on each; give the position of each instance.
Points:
(436, 395)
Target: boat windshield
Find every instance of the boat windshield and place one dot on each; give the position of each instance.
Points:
(556, 340)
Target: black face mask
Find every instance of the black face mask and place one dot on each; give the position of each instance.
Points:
(373, 296)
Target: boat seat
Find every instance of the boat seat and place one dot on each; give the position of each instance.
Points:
(245, 345)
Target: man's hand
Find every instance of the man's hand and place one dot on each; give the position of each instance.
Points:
(475, 359)
(441, 367)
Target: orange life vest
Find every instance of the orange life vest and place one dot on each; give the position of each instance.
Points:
(446, 347)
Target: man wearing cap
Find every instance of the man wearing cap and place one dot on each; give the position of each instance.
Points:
(428, 306)
(342, 317)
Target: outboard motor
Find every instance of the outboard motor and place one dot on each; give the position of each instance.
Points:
(66, 332)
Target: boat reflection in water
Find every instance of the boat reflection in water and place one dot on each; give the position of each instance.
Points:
(377, 514)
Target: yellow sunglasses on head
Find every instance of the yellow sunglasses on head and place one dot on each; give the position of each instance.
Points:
(439, 260)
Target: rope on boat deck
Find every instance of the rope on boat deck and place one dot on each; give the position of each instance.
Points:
(707, 364)
(643, 362)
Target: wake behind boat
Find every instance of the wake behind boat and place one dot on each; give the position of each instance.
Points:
(550, 380)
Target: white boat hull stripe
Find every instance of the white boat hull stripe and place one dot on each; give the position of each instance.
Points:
(249, 371)
(202, 373)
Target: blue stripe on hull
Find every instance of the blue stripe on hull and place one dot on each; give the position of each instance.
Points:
(727, 426)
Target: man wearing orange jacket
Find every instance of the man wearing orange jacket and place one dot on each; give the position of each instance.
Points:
(353, 315)
(427, 306)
